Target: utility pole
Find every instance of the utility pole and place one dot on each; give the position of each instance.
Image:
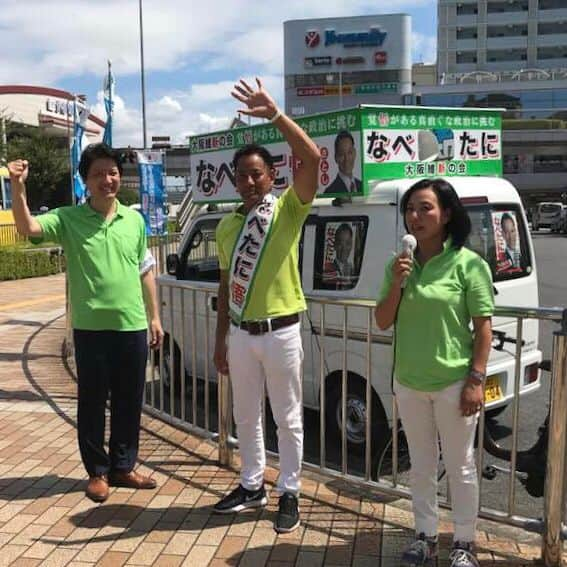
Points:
(3, 159)
(142, 76)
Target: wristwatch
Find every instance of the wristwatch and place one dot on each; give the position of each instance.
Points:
(480, 377)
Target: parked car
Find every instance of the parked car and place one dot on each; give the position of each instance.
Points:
(545, 214)
(560, 222)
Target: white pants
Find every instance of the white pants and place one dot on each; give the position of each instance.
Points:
(276, 358)
(425, 415)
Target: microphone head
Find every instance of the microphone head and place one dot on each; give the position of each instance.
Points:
(409, 243)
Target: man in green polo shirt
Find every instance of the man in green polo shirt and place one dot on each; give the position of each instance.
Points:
(105, 248)
(260, 297)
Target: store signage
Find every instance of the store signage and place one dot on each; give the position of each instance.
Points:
(370, 88)
(349, 60)
(330, 90)
(310, 91)
(373, 38)
(333, 90)
(63, 107)
(381, 57)
(312, 38)
(318, 61)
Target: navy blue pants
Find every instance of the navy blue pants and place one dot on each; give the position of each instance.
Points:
(110, 363)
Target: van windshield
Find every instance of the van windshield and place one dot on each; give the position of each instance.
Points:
(499, 235)
(550, 208)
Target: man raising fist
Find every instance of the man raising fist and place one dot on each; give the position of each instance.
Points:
(105, 248)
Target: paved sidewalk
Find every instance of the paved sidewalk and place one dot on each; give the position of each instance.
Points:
(46, 520)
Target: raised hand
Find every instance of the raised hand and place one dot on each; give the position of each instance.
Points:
(258, 103)
(18, 170)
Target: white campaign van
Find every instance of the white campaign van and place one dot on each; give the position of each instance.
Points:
(376, 225)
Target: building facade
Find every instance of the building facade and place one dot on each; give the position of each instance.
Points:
(500, 35)
(334, 63)
(510, 54)
(50, 109)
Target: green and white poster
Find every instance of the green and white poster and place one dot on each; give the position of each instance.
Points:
(407, 142)
(358, 146)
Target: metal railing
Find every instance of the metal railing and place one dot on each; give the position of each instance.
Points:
(162, 245)
(345, 330)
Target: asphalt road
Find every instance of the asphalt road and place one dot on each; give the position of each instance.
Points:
(551, 258)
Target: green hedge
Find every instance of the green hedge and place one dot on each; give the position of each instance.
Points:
(16, 264)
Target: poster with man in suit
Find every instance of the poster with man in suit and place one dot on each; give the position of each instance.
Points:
(345, 158)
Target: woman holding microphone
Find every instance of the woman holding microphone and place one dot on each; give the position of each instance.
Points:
(440, 361)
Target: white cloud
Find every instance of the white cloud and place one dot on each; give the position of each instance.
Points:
(424, 48)
(203, 108)
(167, 106)
(63, 38)
(69, 41)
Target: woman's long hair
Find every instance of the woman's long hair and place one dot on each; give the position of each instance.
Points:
(459, 225)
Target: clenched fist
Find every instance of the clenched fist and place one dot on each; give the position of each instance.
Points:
(18, 170)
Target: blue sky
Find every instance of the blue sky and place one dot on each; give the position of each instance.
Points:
(194, 52)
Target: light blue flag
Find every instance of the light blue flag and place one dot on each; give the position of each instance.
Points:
(81, 115)
(152, 191)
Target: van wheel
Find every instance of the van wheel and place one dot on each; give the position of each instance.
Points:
(356, 412)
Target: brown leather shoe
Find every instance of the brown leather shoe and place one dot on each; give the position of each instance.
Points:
(97, 488)
(131, 480)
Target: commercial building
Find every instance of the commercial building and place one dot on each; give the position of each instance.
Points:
(510, 54)
(500, 35)
(51, 110)
(334, 63)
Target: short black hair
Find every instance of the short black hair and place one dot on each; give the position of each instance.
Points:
(97, 151)
(343, 227)
(459, 225)
(505, 217)
(343, 135)
(253, 149)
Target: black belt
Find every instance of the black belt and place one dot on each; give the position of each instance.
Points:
(268, 325)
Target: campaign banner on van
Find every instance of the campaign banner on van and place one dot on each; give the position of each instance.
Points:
(407, 142)
(152, 191)
(337, 135)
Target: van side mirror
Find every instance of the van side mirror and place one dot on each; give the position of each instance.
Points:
(172, 264)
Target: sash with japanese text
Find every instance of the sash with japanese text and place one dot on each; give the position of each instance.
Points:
(247, 255)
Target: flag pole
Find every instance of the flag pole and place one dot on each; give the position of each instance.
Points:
(108, 105)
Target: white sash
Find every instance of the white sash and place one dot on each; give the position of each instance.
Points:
(247, 255)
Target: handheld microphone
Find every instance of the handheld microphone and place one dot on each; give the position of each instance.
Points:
(409, 244)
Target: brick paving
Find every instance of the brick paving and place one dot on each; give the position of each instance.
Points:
(46, 520)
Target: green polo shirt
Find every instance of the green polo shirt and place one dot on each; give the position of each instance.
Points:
(277, 285)
(103, 259)
(433, 336)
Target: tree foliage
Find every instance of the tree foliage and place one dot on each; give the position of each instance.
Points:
(128, 196)
(49, 165)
